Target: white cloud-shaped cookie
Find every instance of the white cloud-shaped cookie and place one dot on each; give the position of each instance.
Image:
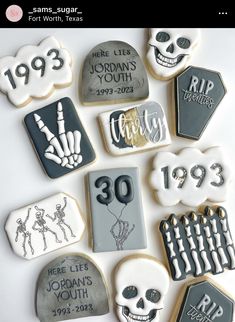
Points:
(35, 71)
(191, 177)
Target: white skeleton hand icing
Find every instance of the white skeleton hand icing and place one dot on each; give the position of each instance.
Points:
(64, 151)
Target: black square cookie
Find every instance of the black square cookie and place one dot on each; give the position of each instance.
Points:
(59, 138)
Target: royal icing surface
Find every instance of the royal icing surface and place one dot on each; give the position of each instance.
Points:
(113, 71)
(198, 93)
(59, 138)
(203, 301)
(141, 286)
(135, 128)
(35, 71)
(44, 226)
(71, 287)
(197, 243)
(116, 210)
(191, 177)
(169, 50)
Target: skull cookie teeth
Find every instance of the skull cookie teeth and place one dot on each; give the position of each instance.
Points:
(170, 50)
(140, 296)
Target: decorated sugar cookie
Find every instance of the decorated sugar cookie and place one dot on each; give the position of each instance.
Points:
(35, 72)
(59, 138)
(191, 176)
(141, 287)
(197, 243)
(116, 210)
(205, 301)
(169, 50)
(44, 226)
(70, 287)
(113, 72)
(198, 91)
(135, 128)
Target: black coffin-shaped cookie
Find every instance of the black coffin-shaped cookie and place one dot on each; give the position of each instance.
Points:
(198, 92)
(203, 301)
(113, 71)
(59, 138)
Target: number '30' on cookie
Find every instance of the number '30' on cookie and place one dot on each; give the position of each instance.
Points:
(35, 71)
(116, 210)
(59, 138)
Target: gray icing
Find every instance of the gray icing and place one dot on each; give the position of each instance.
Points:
(113, 71)
(205, 302)
(154, 112)
(116, 210)
(59, 138)
(198, 243)
(70, 287)
(198, 92)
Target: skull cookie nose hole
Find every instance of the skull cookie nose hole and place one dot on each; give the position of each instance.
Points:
(140, 304)
(170, 48)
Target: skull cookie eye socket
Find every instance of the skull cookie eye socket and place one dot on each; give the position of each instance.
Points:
(183, 43)
(152, 295)
(162, 36)
(129, 292)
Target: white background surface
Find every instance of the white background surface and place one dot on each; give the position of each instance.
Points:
(23, 180)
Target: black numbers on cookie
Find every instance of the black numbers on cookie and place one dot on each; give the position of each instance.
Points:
(122, 188)
(38, 64)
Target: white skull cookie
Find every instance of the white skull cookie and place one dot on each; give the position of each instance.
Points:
(141, 285)
(170, 50)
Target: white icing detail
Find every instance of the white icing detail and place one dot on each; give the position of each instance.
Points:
(188, 193)
(207, 264)
(197, 263)
(228, 238)
(177, 233)
(215, 258)
(207, 231)
(222, 256)
(191, 243)
(171, 247)
(232, 256)
(180, 244)
(150, 125)
(217, 240)
(168, 236)
(68, 149)
(197, 229)
(224, 224)
(214, 227)
(188, 231)
(187, 263)
(51, 223)
(166, 63)
(149, 274)
(177, 269)
(200, 242)
(39, 85)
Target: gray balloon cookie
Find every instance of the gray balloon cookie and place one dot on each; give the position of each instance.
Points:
(198, 93)
(71, 287)
(113, 71)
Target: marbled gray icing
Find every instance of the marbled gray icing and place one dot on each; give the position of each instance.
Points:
(205, 302)
(198, 92)
(116, 225)
(113, 71)
(70, 287)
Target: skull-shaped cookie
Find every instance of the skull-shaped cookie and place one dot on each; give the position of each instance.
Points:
(170, 50)
(141, 285)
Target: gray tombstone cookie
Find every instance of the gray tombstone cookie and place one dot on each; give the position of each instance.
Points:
(116, 210)
(71, 287)
(204, 301)
(198, 92)
(113, 71)
(59, 138)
